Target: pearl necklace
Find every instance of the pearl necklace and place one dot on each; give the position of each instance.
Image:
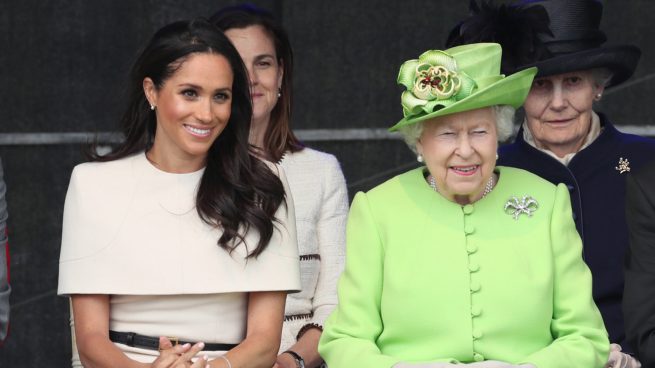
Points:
(487, 188)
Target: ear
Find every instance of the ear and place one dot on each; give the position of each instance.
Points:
(280, 74)
(150, 91)
(419, 146)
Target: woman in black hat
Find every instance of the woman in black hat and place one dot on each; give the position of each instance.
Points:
(562, 138)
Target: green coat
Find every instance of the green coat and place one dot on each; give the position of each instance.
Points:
(428, 280)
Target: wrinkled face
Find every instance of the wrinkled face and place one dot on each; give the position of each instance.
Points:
(558, 110)
(460, 152)
(193, 107)
(258, 53)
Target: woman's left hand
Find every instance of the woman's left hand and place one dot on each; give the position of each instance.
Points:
(285, 361)
(618, 359)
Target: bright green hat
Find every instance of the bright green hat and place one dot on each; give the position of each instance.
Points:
(459, 79)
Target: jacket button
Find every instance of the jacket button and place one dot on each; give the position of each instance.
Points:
(469, 229)
(477, 334)
(471, 248)
(474, 266)
(475, 286)
(476, 311)
(478, 357)
(468, 209)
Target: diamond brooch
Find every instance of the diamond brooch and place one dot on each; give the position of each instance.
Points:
(516, 206)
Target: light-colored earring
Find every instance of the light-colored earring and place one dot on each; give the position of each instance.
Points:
(598, 96)
(152, 107)
(279, 92)
(496, 156)
(419, 157)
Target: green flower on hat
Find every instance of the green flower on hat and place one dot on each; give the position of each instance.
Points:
(433, 82)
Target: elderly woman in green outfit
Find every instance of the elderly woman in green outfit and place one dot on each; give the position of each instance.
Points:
(462, 262)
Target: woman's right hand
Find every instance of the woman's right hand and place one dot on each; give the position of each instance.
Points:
(178, 356)
(425, 365)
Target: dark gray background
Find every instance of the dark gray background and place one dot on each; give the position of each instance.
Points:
(63, 65)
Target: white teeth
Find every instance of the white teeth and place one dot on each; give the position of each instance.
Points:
(197, 131)
(465, 169)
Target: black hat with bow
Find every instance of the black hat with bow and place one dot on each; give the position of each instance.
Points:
(556, 36)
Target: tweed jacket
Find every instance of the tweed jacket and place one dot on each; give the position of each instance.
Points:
(428, 280)
(639, 297)
(597, 188)
(5, 289)
(320, 196)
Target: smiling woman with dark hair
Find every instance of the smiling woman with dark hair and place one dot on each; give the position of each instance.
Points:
(317, 184)
(180, 246)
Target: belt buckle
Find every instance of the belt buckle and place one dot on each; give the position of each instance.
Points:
(174, 341)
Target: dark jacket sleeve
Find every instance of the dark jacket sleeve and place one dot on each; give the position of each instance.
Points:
(639, 294)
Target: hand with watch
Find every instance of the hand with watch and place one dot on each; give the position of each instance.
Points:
(289, 359)
(300, 363)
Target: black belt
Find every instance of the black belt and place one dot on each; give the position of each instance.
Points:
(152, 343)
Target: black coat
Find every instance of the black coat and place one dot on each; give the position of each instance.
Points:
(597, 191)
(639, 296)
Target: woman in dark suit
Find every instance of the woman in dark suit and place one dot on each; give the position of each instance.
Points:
(639, 293)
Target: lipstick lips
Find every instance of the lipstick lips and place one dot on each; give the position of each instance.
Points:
(197, 132)
(465, 170)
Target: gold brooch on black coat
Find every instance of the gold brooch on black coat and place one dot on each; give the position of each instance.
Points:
(624, 166)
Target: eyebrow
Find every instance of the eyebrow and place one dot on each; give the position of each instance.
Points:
(264, 56)
(195, 86)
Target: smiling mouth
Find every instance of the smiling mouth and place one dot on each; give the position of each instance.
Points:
(559, 121)
(465, 170)
(197, 131)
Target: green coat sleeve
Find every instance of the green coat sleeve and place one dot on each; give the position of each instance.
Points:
(578, 331)
(348, 339)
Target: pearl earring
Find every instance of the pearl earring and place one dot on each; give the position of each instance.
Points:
(496, 156)
(152, 107)
(598, 96)
(279, 92)
(419, 157)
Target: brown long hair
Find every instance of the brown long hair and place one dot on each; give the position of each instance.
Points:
(237, 190)
(278, 137)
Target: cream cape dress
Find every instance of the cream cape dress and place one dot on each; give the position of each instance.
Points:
(132, 231)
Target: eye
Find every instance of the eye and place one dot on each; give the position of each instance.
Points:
(222, 96)
(189, 93)
(540, 83)
(479, 132)
(573, 80)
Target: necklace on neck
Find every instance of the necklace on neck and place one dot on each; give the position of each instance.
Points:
(487, 188)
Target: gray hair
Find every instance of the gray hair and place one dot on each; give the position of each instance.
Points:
(601, 76)
(504, 126)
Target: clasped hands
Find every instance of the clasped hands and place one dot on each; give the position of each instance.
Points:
(179, 356)
(619, 359)
(484, 364)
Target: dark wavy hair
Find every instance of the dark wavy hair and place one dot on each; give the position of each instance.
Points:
(278, 137)
(237, 190)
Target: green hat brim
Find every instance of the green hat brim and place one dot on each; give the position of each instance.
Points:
(511, 90)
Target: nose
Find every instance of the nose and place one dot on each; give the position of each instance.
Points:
(204, 112)
(252, 77)
(464, 148)
(558, 99)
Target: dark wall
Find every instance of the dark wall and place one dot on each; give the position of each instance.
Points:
(63, 65)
